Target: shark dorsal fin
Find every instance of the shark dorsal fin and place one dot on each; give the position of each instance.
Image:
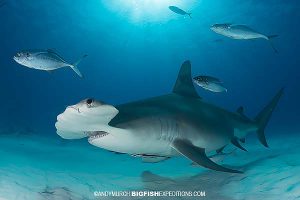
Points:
(184, 85)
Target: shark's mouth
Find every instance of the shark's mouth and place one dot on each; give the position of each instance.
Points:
(96, 135)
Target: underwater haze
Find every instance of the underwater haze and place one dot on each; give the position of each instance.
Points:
(135, 49)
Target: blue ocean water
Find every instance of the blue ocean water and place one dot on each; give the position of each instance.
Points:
(135, 49)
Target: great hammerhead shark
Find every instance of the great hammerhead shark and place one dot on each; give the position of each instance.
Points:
(179, 123)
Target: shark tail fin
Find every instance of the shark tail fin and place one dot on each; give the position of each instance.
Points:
(184, 85)
(74, 66)
(190, 15)
(263, 117)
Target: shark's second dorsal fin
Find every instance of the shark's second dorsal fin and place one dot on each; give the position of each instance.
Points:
(184, 85)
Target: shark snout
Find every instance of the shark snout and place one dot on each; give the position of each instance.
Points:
(88, 118)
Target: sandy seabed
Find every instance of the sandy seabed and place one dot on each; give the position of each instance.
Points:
(37, 167)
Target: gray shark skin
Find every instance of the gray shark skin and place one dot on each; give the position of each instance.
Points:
(180, 123)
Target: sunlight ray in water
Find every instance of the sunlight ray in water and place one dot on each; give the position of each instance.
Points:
(154, 10)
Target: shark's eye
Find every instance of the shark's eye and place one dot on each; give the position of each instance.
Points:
(89, 102)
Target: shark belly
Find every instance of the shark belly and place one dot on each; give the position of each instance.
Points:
(149, 136)
(133, 145)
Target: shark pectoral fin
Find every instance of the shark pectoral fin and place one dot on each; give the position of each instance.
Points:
(236, 143)
(197, 155)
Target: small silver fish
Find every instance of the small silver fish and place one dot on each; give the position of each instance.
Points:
(179, 11)
(240, 32)
(47, 60)
(210, 83)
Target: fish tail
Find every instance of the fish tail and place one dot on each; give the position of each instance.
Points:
(74, 66)
(273, 47)
(190, 15)
(270, 37)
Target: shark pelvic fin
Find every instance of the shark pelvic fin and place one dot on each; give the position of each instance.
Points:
(184, 85)
(197, 155)
(220, 150)
(241, 112)
(236, 143)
